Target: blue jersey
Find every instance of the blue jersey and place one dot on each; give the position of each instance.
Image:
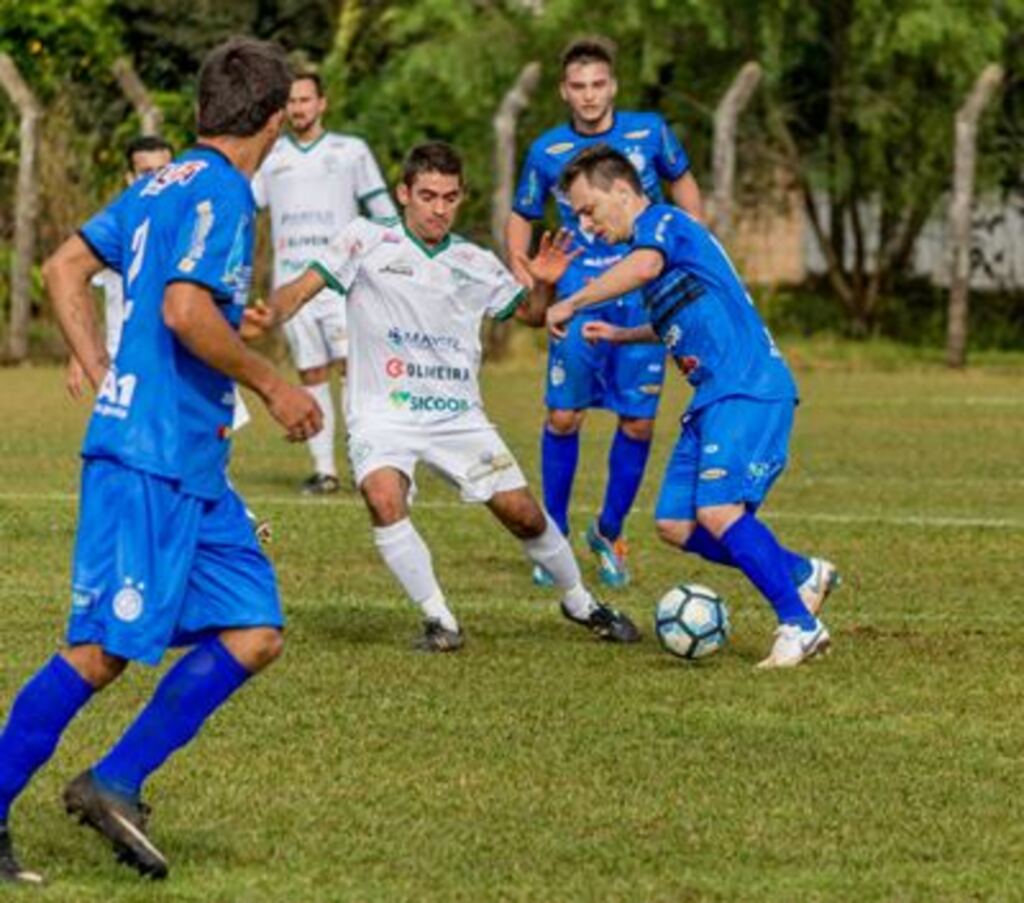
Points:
(644, 138)
(160, 409)
(704, 315)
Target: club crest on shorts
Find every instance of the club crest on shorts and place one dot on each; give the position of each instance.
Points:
(128, 602)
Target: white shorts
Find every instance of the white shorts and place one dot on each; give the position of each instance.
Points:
(476, 460)
(316, 334)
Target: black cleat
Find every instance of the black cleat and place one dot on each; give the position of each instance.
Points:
(10, 870)
(320, 484)
(121, 821)
(437, 638)
(608, 623)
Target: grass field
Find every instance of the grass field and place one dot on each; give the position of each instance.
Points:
(539, 765)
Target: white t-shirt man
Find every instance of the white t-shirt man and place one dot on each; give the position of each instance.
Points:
(414, 316)
(312, 191)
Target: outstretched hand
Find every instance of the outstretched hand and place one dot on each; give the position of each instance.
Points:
(257, 321)
(554, 254)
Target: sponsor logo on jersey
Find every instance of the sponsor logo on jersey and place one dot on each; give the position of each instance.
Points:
(560, 148)
(129, 603)
(308, 218)
(714, 473)
(711, 449)
(659, 232)
(672, 336)
(636, 156)
(397, 269)
(637, 135)
(425, 341)
(302, 242)
(173, 174)
(651, 389)
(394, 367)
(688, 364)
(557, 375)
(441, 404)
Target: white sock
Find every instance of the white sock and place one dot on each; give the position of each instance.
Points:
(321, 446)
(408, 558)
(551, 550)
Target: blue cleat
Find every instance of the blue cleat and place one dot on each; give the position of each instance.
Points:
(611, 557)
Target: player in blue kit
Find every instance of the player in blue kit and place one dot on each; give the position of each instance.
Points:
(165, 555)
(626, 380)
(735, 432)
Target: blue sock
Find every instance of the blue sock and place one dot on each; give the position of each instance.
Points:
(189, 693)
(758, 554)
(559, 455)
(626, 462)
(39, 714)
(703, 543)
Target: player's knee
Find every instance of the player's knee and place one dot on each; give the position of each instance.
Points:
(529, 523)
(674, 532)
(565, 423)
(254, 648)
(94, 666)
(641, 430)
(385, 506)
(716, 519)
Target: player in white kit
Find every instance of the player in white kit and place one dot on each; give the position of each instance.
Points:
(144, 155)
(314, 183)
(416, 296)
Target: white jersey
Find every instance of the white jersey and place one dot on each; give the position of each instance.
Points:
(414, 316)
(313, 191)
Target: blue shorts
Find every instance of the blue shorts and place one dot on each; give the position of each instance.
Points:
(625, 379)
(155, 567)
(730, 452)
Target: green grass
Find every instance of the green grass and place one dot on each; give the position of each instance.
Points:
(539, 765)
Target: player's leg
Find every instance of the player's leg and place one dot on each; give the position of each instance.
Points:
(546, 546)
(573, 386)
(743, 449)
(633, 377)
(41, 711)
(311, 357)
(228, 610)
(385, 489)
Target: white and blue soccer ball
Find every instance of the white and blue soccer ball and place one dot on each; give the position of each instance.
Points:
(692, 621)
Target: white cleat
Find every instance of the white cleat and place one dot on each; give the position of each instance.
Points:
(818, 586)
(794, 645)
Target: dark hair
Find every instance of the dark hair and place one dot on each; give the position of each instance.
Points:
(313, 77)
(590, 49)
(601, 165)
(145, 144)
(242, 83)
(431, 156)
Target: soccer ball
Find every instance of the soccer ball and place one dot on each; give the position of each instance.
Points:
(692, 621)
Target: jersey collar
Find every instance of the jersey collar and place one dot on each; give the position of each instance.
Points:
(442, 245)
(607, 131)
(305, 148)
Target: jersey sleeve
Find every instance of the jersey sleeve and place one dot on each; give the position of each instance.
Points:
(534, 186)
(656, 230)
(103, 233)
(370, 189)
(340, 261)
(499, 292)
(670, 160)
(211, 248)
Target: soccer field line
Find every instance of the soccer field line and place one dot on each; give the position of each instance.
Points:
(925, 521)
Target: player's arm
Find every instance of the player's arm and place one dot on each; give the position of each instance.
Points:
(599, 331)
(285, 301)
(685, 194)
(67, 274)
(633, 271)
(518, 237)
(190, 313)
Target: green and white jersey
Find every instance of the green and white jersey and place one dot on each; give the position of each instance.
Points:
(312, 192)
(414, 316)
